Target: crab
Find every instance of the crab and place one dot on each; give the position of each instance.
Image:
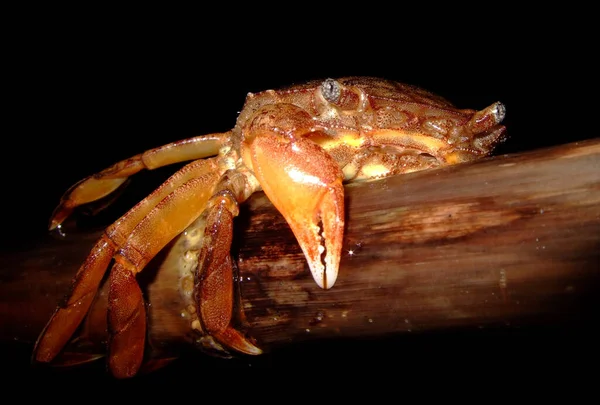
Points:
(299, 145)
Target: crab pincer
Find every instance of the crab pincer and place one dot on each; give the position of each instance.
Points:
(302, 181)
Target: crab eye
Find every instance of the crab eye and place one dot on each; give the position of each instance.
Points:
(331, 90)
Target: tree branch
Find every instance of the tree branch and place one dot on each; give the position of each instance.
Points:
(511, 240)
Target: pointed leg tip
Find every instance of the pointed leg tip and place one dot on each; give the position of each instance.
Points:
(58, 217)
(41, 357)
(53, 225)
(253, 350)
(243, 345)
(232, 338)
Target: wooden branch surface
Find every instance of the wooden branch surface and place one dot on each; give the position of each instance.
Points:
(511, 240)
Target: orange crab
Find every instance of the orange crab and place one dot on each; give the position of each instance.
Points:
(299, 145)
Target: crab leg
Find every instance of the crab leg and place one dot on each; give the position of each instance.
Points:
(105, 182)
(136, 238)
(214, 277)
(303, 181)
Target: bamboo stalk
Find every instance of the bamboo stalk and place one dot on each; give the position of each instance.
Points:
(509, 241)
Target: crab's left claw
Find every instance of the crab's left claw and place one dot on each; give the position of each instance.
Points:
(305, 184)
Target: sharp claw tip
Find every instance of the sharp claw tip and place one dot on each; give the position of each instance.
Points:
(327, 281)
(327, 284)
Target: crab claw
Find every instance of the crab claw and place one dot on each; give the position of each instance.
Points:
(305, 184)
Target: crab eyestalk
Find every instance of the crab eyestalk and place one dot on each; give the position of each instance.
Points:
(485, 119)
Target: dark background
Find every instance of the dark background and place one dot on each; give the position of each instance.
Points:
(83, 97)
(86, 92)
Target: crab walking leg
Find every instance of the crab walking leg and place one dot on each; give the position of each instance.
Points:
(126, 321)
(105, 182)
(214, 278)
(69, 314)
(126, 315)
(304, 183)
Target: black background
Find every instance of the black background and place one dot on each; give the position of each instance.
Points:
(85, 92)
